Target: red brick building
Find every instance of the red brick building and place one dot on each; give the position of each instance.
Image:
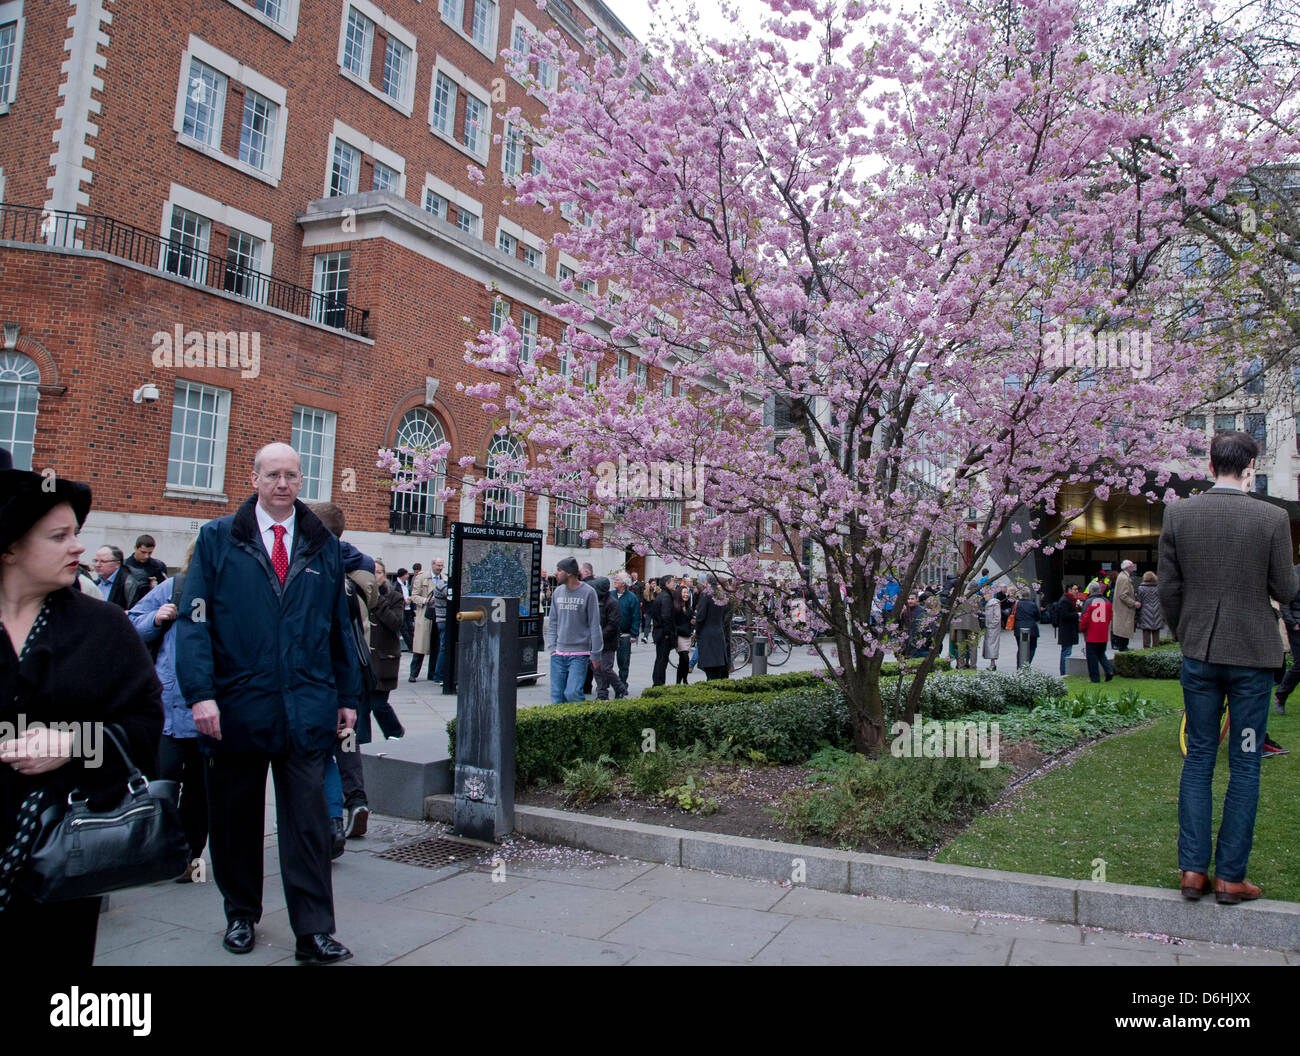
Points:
(227, 222)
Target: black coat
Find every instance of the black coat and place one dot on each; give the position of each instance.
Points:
(711, 620)
(1027, 616)
(279, 660)
(683, 621)
(1067, 621)
(89, 665)
(386, 638)
(128, 588)
(664, 621)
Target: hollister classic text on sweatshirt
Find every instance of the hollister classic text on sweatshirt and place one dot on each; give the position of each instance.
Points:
(574, 622)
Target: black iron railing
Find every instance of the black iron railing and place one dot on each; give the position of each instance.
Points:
(409, 523)
(103, 234)
(568, 537)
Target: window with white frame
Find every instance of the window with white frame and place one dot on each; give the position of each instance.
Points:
(642, 375)
(435, 204)
(358, 43)
(533, 258)
(20, 379)
(397, 69)
(443, 115)
(313, 438)
(512, 151)
(476, 124)
(564, 362)
(243, 263)
(196, 457)
(394, 80)
(205, 86)
(502, 506)
(620, 371)
(500, 313)
(483, 26)
(467, 220)
(330, 278)
(272, 9)
(386, 179)
(571, 507)
(453, 11)
(205, 105)
(279, 15)
(257, 131)
(345, 169)
(668, 384)
(419, 510)
(187, 245)
(11, 46)
(528, 326)
(507, 243)
(674, 515)
(564, 273)
(446, 112)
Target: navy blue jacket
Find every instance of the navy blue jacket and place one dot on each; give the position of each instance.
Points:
(278, 660)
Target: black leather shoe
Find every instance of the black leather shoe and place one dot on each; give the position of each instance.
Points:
(239, 936)
(339, 840)
(321, 949)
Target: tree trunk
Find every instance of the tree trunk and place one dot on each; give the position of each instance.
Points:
(866, 708)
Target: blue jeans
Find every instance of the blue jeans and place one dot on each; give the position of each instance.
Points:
(567, 676)
(1247, 690)
(440, 666)
(1066, 650)
(333, 787)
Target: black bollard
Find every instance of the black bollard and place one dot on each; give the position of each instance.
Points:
(758, 655)
(487, 665)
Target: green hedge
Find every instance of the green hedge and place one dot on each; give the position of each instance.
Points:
(949, 695)
(752, 684)
(1164, 661)
(786, 727)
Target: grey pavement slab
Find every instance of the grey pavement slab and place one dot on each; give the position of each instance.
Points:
(483, 943)
(569, 909)
(815, 940)
(1036, 951)
(666, 881)
(595, 871)
(195, 946)
(460, 895)
(121, 927)
(718, 932)
(809, 902)
(377, 932)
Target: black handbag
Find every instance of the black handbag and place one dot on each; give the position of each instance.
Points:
(71, 851)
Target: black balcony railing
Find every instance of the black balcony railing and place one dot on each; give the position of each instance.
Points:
(408, 523)
(103, 234)
(568, 537)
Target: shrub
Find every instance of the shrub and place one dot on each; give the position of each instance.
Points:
(752, 684)
(650, 773)
(947, 696)
(1164, 661)
(887, 798)
(586, 783)
(785, 727)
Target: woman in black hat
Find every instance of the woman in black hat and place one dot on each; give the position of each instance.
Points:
(65, 657)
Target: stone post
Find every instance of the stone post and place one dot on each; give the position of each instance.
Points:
(487, 664)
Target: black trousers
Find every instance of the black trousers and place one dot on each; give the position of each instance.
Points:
(417, 659)
(1292, 676)
(664, 648)
(236, 802)
(683, 666)
(179, 759)
(408, 627)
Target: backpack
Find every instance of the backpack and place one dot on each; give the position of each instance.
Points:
(178, 589)
(369, 680)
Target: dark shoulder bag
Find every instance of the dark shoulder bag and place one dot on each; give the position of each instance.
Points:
(64, 850)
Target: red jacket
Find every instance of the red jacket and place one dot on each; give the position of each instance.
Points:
(1094, 621)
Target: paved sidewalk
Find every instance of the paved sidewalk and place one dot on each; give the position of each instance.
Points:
(536, 904)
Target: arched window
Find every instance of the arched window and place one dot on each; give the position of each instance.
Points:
(501, 506)
(19, 377)
(419, 511)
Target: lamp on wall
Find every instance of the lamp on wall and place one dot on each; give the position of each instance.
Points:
(147, 393)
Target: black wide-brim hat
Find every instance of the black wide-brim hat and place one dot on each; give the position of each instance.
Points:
(27, 497)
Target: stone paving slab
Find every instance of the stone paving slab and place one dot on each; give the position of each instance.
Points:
(816, 940)
(569, 909)
(482, 943)
(695, 929)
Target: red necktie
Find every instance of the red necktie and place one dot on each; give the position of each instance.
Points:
(279, 556)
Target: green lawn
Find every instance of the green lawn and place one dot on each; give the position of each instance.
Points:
(1119, 801)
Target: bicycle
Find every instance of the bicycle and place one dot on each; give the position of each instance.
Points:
(742, 635)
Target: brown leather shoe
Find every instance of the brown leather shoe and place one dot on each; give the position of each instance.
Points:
(1229, 894)
(1195, 885)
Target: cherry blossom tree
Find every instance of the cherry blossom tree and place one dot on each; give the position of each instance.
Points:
(914, 274)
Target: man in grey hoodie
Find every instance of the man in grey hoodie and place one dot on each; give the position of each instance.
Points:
(573, 632)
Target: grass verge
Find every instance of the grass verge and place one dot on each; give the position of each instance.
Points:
(1118, 801)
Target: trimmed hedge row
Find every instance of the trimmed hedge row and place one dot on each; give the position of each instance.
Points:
(1160, 662)
(787, 725)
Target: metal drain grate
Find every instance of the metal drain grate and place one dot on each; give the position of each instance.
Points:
(433, 852)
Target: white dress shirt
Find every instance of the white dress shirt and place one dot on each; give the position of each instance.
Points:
(264, 526)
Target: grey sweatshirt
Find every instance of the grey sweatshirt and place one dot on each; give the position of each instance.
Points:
(574, 622)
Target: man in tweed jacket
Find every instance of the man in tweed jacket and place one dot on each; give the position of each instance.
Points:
(1222, 555)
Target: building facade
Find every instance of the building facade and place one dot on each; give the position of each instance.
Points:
(228, 222)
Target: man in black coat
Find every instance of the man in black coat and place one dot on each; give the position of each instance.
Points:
(120, 586)
(142, 562)
(665, 629)
(266, 664)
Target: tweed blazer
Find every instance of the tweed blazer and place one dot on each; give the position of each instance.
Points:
(1223, 554)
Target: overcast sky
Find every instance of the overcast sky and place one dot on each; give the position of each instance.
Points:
(636, 15)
